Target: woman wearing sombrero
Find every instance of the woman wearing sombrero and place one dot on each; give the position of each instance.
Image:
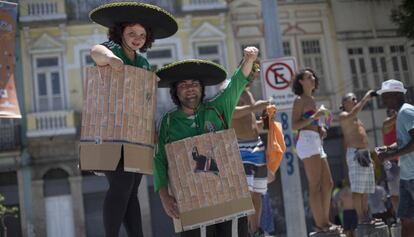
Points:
(131, 26)
(193, 116)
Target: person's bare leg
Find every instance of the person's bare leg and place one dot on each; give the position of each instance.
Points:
(254, 220)
(365, 208)
(356, 200)
(407, 227)
(394, 201)
(313, 174)
(326, 189)
(359, 208)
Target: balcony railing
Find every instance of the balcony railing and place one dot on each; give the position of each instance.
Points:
(9, 137)
(196, 5)
(52, 123)
(42, 10)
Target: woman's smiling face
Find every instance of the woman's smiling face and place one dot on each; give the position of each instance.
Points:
(134, 36)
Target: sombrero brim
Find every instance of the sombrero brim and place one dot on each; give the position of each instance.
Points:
(161, 22)
(205, 71)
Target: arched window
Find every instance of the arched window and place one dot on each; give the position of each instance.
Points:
(58, 204)
(56, 183)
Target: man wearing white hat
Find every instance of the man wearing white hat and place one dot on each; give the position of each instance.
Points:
(392, 94)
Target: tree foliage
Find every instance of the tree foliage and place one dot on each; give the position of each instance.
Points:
(5, 211)
(403, 16)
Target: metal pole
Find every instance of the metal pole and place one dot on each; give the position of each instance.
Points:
(374, 130)
(290, 172)
(273, 38)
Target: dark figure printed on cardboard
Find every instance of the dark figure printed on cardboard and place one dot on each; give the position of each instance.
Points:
(203, 163)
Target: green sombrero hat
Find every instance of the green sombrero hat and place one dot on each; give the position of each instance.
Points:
(161, 22)
(205, 71)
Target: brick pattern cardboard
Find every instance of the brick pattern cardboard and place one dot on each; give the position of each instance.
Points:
(9, 105)
(207, 179)
(119, 108)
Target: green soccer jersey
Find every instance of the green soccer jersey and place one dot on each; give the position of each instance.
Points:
(139, 61)
(213, 115)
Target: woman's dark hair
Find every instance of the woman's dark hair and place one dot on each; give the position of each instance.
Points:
(174, 96)
(297, 87)
(115, 34)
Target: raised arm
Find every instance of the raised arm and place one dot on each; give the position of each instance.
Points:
(249, 56)
(357, 108)
(226, 101)
(104, 56)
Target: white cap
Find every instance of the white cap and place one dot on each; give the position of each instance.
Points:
(392, 86)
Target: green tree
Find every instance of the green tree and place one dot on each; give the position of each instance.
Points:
(6, 212)
(403, 16)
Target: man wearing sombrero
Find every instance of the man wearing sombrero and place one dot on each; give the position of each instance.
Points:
(131, 26)
(392, 94)
(193, 116)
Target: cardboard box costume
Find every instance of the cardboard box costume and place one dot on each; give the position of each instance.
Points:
(207, 179)
(197, 156)
(118, 112)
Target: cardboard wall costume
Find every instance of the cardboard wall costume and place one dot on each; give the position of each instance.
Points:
(207, 179)
(9, 105)
(119, 110)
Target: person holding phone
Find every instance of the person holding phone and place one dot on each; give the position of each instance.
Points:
(393, 95)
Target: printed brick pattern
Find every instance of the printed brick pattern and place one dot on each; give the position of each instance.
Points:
(204, 189)
(119, 106)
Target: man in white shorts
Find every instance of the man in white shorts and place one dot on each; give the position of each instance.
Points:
(360, 167)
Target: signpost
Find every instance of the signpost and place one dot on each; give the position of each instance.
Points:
(277, 74)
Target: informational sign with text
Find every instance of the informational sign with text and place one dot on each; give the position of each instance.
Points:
(277, 75)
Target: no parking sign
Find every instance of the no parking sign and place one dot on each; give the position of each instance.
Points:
(277, 75)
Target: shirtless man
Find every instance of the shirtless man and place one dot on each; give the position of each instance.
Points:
(252, 151)
(350, 219)
(360, 167)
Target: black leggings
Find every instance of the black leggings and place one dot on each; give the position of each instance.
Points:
(121, 204)
(221, 229)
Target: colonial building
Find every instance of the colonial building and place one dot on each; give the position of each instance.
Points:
(351, 44)
(370, 52)
(56, 37)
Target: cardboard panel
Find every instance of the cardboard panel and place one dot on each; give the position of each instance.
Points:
(207, 179)
(99, 156)
(119, 108)
(138, 159)
(9, 106)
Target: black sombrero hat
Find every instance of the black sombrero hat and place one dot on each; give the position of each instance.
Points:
(206, 71)
(161, 22)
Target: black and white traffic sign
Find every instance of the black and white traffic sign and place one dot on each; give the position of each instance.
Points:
(277, 75)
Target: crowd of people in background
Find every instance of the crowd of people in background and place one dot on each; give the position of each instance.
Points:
(362, 201)
(380, 183)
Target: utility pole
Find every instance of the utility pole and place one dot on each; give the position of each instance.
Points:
(290, 172)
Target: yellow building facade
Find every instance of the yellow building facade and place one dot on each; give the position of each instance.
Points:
(56, 38)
